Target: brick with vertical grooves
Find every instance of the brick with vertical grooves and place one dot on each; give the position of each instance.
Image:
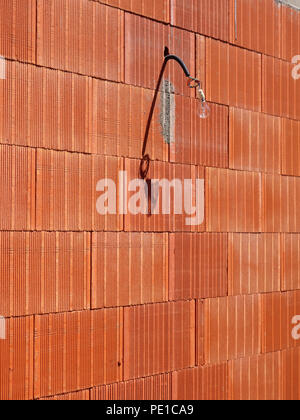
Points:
(232, 328)
(256, 378)
(145, 41)
(233, 200)
(208, 17)
(280, 91)
(156, 9)
(129, 268)
(233, 75)
(17, 186)
(280, 195)
(158, 338)
(290, 262)
(291, 374)
(67, 191)
(290, 21)
(255, 142)
(155, 219)
(79, 39)
(198, 265)
(18, 29)
(256, 25)
(156, 387)
(253, 263)
(45, 108)
(278, 311)
(207, 383)
(16, 362)
(44, 272)
(119, 121)
(290, 138)
(77, 350)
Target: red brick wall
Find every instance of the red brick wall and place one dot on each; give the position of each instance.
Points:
(143, 307)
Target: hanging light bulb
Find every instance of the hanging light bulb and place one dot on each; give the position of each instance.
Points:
(203, 110)
(203, 107)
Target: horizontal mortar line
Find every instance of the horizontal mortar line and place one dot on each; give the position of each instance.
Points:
(140, 305)
(251, 356)
(192, 165)
(128, 381)
(257, 112)
(170, 373)
(172, 25)
(40, 66)
(277, 116)
(70, 392)
(75, 152)
(156, 160)
(84, 153)
(123, 82)
(156, 375)
(261, 232)
(177, 94)
(252, 171)
(239, 358)
(116, 82)
(37, 148)
(228, 42)
(179, 232)
(76, 311)
(130, 12)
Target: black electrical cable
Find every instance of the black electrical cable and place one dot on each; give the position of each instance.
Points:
(193, 83)
(180, 62)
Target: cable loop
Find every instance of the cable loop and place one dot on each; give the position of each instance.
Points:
(144, 166)
(193, 83)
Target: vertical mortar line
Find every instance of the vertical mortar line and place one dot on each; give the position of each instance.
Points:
(228, 137)
(228, 393)
(35, 188)
(36, 29)
(91, 271)
(235, 19)
(123, 344)
(196, 329)
(227, 261)
(261, 87)
(123, 196)
(193, 98)
(195, 57)
(123, 230)
(33, 358)
(124, 46)
(169, 259)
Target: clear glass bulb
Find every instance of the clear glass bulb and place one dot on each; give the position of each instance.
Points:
(203, 107)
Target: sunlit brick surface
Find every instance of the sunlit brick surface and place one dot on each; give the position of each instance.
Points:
(130, 306)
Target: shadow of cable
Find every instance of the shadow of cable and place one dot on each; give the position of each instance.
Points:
(145, 161)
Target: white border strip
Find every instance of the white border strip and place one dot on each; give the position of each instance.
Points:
(2, 328)
(2, 68)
